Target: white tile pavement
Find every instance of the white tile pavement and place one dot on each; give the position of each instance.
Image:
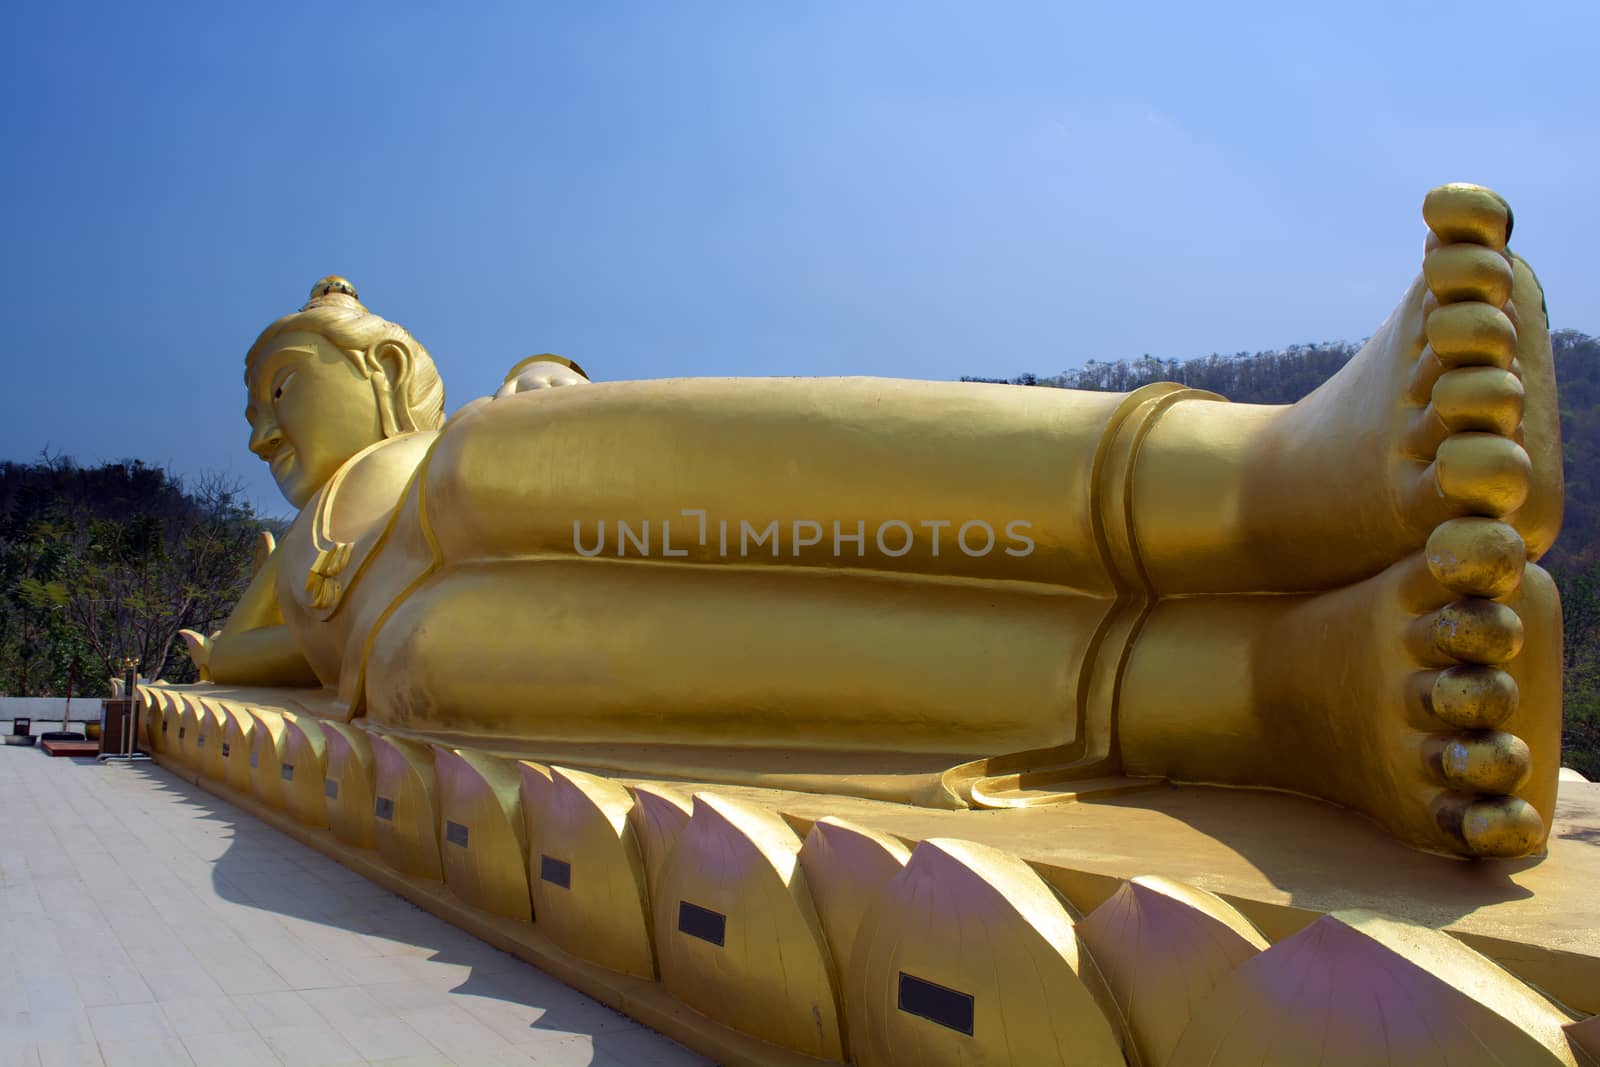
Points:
(143, 921)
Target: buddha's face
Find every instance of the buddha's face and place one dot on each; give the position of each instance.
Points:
(310, 411)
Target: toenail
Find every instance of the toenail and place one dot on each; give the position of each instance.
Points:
(1482, 399)
(1501, 828)
(1473, 697)
(1462, 212)
(1477, 556)
(1484, 473)
(1489, 762)
(1472, 334)
(1468, 272)
(1478, 631)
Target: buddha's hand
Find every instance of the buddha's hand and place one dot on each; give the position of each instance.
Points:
(199, 647)
(265, 546)
(540, 374)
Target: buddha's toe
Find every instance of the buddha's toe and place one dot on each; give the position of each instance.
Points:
(1502, 827)
(1486, 761)
(1487, 425)
(1470, 381)
(1468, 214)
(1474, 630)
(1478, 400)
(1476, 557)
(1458, 273)
(1471, 695)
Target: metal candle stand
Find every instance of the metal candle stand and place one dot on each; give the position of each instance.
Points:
(129, 709)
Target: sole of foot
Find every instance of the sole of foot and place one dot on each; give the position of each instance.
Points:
(1449, 411)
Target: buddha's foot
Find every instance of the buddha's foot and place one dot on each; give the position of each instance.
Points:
(1485, 386)
(1427, 696)
(1449, 411)
(1446, 712)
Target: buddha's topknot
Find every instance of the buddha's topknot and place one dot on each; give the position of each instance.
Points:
(333, 290)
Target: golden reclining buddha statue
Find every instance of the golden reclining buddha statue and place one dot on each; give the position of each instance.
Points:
(952, 594)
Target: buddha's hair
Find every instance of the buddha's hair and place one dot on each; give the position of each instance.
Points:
(335, 313)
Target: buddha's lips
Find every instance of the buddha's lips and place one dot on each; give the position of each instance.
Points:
(280, 461)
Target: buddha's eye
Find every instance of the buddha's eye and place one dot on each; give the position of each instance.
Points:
(277, 394)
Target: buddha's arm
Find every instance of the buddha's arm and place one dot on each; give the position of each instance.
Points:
(254, 647)
(265, 656)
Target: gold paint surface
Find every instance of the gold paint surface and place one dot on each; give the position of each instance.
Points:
(1163, 947)
(658, 817)
(1467, 975)
(238, 739)
(482, 840)
(305, 750)
(847, 868)
(771, 975)
(1585, 1039)
(535, 786)
(210, 727)
(406, 806)
(1473, 697)
(186, 728)
(1477, 557)
(586, 874)
(1468, 213)
(269, 745)
(1332, 994)
(155, 712)
(348, 785)
(981, 925)
(1468, 272)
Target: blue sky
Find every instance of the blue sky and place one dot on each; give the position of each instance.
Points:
(907, 189)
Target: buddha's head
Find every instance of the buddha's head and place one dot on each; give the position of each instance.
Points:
(330, 380)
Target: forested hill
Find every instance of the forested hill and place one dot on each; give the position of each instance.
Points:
(1283, 376)
(99, 563)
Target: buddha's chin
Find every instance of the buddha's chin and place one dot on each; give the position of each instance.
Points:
(295, 486)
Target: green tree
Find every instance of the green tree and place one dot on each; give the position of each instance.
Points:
(102, 563)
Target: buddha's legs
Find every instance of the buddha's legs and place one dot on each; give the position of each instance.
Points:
(1391, 513)
(1426, 691)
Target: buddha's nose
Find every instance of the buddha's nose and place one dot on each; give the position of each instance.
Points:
(265, 438)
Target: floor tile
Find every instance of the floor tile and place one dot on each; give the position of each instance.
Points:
(230, 943)
(231, 1049)
(148, 1052)
(311, 1046)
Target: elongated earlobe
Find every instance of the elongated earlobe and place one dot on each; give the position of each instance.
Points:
(389, 366)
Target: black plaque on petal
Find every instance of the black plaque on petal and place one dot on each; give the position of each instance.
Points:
(383, 808)
(286, 772)
(330, 788)
(455, 833)
(703, 923)
(226, 748)
(948, 1007)
(556, 872)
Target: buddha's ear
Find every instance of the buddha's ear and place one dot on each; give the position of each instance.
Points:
(389, 363)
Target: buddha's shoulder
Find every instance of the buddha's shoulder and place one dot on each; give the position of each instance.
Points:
(368, 487)
(347, 518)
